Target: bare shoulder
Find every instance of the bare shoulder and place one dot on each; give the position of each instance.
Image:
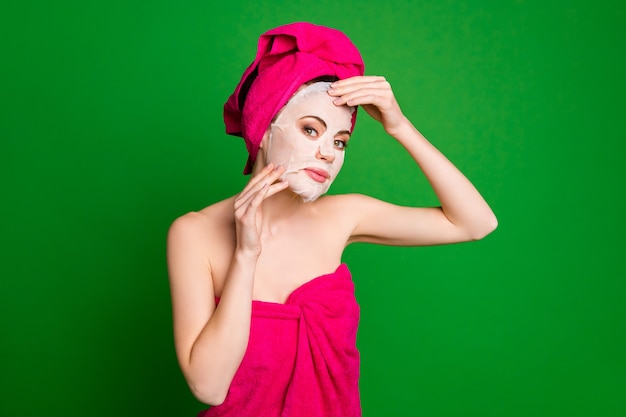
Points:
(341, 199)
(376, 221)
(201, 233)
(200, 225)
(349, 204)
(345, 210)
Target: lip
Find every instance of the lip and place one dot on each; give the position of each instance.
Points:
(317, 174)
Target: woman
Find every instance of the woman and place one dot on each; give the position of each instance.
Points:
(264, 313)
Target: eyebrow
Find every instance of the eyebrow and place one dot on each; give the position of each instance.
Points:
(319, 119)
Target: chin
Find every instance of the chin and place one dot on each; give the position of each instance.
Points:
(309, 195)
(306, 188)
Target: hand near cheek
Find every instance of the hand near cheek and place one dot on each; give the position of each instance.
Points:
(376, 97)
(248, 213)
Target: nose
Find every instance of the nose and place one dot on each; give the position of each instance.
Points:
(325, 153)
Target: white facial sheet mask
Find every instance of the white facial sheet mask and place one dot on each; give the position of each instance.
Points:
(297, 152)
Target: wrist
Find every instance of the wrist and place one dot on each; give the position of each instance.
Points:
(400, 129)
(246, 256)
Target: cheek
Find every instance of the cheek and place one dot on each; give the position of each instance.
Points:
(339, 160)
(287, 143)
(279, 145)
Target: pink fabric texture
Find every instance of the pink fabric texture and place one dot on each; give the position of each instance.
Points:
(287, 57)
(301, 359)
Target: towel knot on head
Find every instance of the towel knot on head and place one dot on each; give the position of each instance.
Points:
(287, 57)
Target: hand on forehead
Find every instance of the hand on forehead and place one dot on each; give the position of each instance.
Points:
(313, 100)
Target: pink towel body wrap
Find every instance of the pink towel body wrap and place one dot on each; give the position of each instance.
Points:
(301, 359)
(287, 57)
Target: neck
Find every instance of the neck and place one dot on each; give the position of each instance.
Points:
(279, 209)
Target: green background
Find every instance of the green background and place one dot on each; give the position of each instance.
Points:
(111, 128)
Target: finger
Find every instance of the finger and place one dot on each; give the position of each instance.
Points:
(341, 87)
(255, 202)
(254, 181)
(243, 211)
(377, 92)
(357, 80)
(265, 192)
(276, 188)
(379, 84)
(247, 221)
(265, 177)
(377, 97)
(256, 199)
(272, 189)
(259, 177)
(376, 82)
(243, 203)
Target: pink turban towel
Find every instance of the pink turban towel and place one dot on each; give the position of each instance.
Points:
(287, 57)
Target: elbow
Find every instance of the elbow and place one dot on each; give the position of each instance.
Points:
(209, 395)
(486, 227)
(492, 224)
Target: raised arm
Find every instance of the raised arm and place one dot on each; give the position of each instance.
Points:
(211, 339)
(464, 215)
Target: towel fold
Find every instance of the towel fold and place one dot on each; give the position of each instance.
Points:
(301, 359)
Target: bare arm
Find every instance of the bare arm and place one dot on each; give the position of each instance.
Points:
(464, 215)
(211, 340)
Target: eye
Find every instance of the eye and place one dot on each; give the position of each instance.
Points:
(310, 131)
(340, 144)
